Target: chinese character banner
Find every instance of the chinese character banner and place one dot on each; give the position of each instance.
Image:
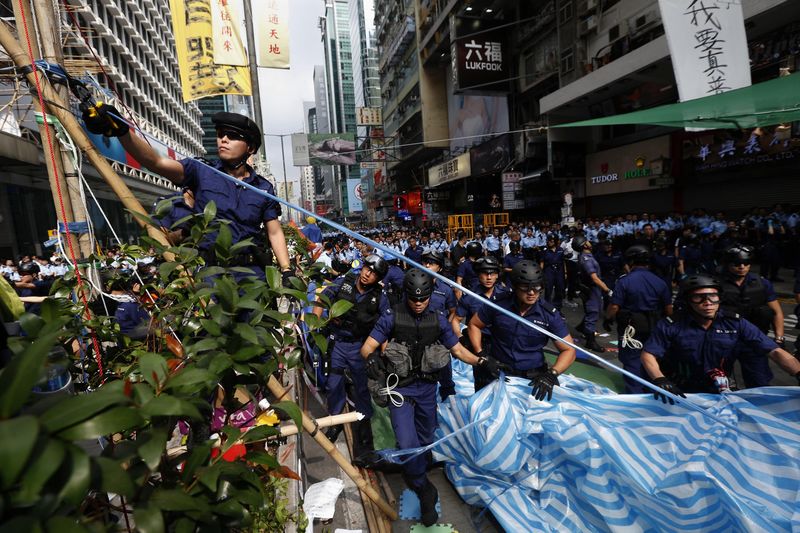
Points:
(194, 43)
(226, 24)
(271, 26)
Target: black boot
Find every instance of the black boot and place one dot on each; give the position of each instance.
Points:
(362, 438)
(591, 343)
(333, 432)
(428, 496)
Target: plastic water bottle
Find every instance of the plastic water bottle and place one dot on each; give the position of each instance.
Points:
(56, 377)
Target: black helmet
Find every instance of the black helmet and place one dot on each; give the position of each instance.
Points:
(474, 249)
(638, 254)
(553, 237)
(578, 242)
(241, 124)
(699, 281)
(602, 235)
(28, 268)
(513, 247)
(526, 273)
(486, 264)
(377, 264)
(434, 257)
(739, 253)
(417, 284)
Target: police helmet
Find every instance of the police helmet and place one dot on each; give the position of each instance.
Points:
(553, 237)
(526, 273)
(513, 247)
(240, 124)
(638, 254)
(474, 249)
(699, 281)
(602, 235)
(486, 264)
(417, 284)
(28, 268)
(377, 264)
(434, 257)
(578, 242)
(739, 253)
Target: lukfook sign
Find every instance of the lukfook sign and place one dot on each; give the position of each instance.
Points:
(480, 60)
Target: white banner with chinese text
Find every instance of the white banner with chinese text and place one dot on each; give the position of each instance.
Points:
(226, 27)
(708, 46)
(271, 27)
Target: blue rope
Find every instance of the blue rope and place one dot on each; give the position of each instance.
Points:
(393, 455)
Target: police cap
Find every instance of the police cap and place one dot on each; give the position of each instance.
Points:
(241, 124)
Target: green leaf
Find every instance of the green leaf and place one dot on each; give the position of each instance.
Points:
(207, 272)
(144, 218)
(195, 379)
(79, 475)
(205, 344)
(22, 373)
(166, 405)
(63, 524)
(153, 368)
(279, 317)
(27, 523)
(166, 269)
(184, 525)
(211, 327)
(43, 466)
(114, 478)
(17, 440)
(260, 433)
(106, 423)
(163, 208)
(321, 341)
(273, 278)
(339, 308)
(148, 519)
(223, 243)
(197, 457)
(263, 458)
(291, 409)
(246, 332)
(82, 407)
(152, 445)
(50, 310)
(312, 320)
(210, 211)
(174, 500)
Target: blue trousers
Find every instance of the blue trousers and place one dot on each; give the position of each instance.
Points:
(346, 355)
(592, 307)
(554, 286)
(632, 362)
(414, 423)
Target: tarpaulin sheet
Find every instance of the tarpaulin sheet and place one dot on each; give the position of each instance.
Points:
(592, 460)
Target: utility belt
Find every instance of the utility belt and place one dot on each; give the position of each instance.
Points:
(252, 259)
(643, 323)
(528, 374)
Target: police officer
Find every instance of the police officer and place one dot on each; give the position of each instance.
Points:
(592, 290)
(238, 138)
(465, 276)
(552, 264)
(664, 261)
(494, 244)
(513, 257)
(612, 264)
(347, 335)
(443, 300)
(690, 352)
(393, 281)
(640, 299)
(182, 205)
(752, 297)
(416, 343)
(516, 347)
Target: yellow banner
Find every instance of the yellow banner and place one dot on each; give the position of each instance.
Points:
(200, 76)
(226, 24)
(271, 26)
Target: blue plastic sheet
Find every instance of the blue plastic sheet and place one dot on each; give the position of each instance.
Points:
(592, 460)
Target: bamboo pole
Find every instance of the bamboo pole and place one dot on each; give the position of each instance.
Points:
(308, 424)
(58, 108)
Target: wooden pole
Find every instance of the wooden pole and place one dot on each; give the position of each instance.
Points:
(58, 108)
(308, 424)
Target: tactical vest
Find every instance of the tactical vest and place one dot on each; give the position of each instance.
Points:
(415, 334)
(361, 318)
(749, 301)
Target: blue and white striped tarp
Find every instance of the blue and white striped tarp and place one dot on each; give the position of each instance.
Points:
(592, 460)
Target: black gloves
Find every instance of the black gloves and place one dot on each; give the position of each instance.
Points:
(490, 365)
(543, 384)
(668, 386)
(286, 278)
(104, 119)
(607, 323)
(376, 368)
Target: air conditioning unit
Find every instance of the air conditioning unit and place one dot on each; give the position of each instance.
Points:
(587, 25)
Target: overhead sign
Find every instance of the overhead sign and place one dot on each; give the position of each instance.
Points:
(721, 152)
(480, 56)
(455, 169)
(369, 116)
(271, 27)
(708, 46)
(194, 44)
(300, 150)
(634, 167)
(433, 195)
(512, 190)
(355, 196)
(226, 23)
(321, 149)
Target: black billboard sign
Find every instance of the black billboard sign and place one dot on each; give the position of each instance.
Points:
(480, 59)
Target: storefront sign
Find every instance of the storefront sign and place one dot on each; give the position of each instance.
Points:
(369, 116)
(452, 170)
(721, 151)
(433, 195)
(512, 190)
(634, 167)
(480, 59)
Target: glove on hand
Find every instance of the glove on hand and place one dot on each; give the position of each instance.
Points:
(286, 277)
(376, 368)
(104, 119)
(668, 386)
(490, 365)
(543, 385)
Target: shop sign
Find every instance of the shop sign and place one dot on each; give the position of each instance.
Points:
(432, 195)
(720, 151)
(634, 167)
(481, 57)
(455, 169)
(512, 190)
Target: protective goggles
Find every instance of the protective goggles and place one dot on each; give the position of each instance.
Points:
(233, 135)
(535, 289)
(700, 298)
(418, 299)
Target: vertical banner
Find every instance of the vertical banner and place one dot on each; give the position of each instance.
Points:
(512, 191)
(194, 43)
(708, 46)
(355, 196)
(270, 20)
(226, 24)
(300, 150)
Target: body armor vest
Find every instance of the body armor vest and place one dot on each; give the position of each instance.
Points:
(361, 318)
(748, 301)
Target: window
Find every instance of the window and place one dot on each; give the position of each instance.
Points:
(565, 12)
(567, 60)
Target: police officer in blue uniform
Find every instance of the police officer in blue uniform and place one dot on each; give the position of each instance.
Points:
(592, 290)
(238, 137)
(752, 297)
(443, 300)
(489, 288)
(639, 301)
(416, 342)
(664, 261)
(552, 264)
(513, 257)
(690, 352)
(518, 348)
(393, 281)
(465, 276)
(347, 335)
(612, 264)
(182, 206)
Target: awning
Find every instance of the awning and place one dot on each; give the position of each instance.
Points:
(772, 102)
